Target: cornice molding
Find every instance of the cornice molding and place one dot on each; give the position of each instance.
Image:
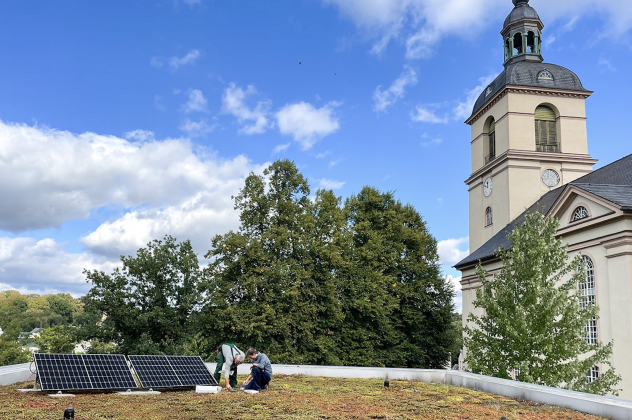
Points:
(507, 89)
(532, 156)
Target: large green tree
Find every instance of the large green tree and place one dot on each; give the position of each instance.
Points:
(533, 320)
(150, 303)
(397, 305)
(273, 282)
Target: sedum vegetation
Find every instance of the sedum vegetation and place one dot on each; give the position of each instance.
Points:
(291, 397)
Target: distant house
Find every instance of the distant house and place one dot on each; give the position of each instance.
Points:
(35, 333)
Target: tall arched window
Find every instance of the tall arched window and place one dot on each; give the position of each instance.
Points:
(587, 292)
(488, 216)
(492, 142)
(545, 130)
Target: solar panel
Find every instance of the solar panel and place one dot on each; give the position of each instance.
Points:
(61, 372)
(171, 371)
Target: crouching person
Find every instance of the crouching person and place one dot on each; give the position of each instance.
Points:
(260, 372)
(228, 357)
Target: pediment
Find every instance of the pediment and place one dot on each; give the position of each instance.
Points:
(570, 206)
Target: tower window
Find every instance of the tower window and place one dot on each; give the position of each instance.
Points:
(587, 293)
(545, 75)
(580, 213)
(545, 130)
(517, 44)
(488, 216)
(492, 142)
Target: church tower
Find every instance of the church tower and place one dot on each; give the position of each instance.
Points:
(528, 130)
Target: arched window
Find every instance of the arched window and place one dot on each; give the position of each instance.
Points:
(592, 375)
(492, 142)
(488, 216)
(517, 44)
(545, 75)
(579, 214)
(587, 293)
(531, 42)
(545, 130)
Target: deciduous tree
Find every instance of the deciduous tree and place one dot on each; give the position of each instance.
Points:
(533, 322)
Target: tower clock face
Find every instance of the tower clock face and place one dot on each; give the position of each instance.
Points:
(487, 187)
(550, 178)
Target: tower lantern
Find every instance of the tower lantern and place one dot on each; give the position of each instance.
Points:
(522, 34)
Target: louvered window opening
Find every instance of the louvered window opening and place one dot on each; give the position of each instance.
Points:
(587, 292)
(488, 216)
(546, 130)
(492, 143)
(592, 375)
(579, 214)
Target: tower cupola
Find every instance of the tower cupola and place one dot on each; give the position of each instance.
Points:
(522, 34)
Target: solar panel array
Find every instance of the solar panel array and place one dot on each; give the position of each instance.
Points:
(62, 372)
(171, 371)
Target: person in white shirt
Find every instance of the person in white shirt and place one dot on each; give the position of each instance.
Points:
(228, 357)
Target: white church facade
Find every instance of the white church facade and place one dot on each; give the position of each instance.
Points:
(529, 150)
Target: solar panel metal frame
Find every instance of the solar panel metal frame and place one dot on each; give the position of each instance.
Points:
(66, 372)
(171, 371)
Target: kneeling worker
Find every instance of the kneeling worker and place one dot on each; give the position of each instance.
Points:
(260, 372)
(229, 357)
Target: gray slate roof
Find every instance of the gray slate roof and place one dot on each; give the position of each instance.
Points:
(525, 73)
(521, 12)
(613, 183)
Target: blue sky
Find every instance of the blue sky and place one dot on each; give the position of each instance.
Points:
(124, 121)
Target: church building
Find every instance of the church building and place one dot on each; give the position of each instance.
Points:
(529, 150)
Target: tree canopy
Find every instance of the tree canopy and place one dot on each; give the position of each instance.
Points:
(533, 321)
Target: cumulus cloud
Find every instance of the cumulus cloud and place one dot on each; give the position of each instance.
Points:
(44, 266)
(433, 142)
(421, 24)
(196, 103)
(234, 103)
(140, 135)
(427, 116)
(280, 147)
(175, 62)
(50, 177)
(330, 184)
(463, 109)
(191, 57)
(449, 252)
(197, 128)
(385, 98)
(306, 123)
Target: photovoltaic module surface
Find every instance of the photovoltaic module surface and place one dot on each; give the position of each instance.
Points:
(171, 371)
(63, 372)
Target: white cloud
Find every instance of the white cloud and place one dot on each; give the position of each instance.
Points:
(44, 266)
(421, 24)
(234, 103)
(306, 123)
(449, 252)
(192, 2)
(189, 58)
(280, 147)
(427, 116)
(323, 154)
(386, 98)
(434, 142)
(464, 109)
(606, 65)
(330, 184)
(196, 103)
(50, 177)
(140, 135)
(458, 299)
(156, 62)
(197, 128)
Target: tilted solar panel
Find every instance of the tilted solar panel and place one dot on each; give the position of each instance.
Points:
(191, 370)
(171, 371)
(63, 372)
